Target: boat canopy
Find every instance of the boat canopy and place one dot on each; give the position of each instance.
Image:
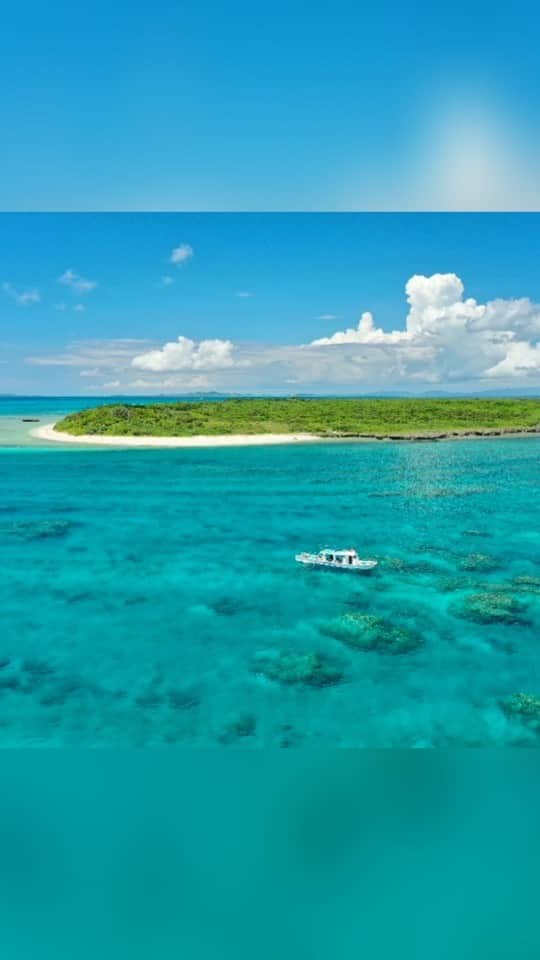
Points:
(340, 553)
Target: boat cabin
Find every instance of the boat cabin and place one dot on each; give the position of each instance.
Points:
(346, 557)
(337, 559)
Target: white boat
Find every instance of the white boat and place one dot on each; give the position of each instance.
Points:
(337, 560)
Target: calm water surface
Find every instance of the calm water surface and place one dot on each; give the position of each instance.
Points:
(139, 591)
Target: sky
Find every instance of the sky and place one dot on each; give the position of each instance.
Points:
(146, 304)
(291, 105)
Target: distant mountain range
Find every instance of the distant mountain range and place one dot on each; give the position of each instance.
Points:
(428, 394)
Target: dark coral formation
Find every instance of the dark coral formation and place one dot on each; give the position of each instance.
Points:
(399, 565)
(11, 681)
(479, 562)
(242, 726)
(59, 693)
(526, 706)
(39, 529)
(37, 677)
(289, 667)
(434, 493)
(227, 606)
(149, 699)
(394, 563)
(527, 584)
(492, 606)
(362, 631)
(427, 493)
(288, 736)
(183, 699)
(37, 667)
(453, 584)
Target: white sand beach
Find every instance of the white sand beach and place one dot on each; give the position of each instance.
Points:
(48, 433)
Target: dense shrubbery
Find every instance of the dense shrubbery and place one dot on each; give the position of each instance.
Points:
(325, 417)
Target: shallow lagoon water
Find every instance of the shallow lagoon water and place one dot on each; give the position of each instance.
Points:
(139, 589)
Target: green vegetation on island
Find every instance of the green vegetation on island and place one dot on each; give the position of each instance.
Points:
(342, 417)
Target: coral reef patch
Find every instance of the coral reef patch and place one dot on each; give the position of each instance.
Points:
(289, 667)
(526, 706)
(494, 606)
(362, 631)
(527, 584)
(480, 562)
(38, 529)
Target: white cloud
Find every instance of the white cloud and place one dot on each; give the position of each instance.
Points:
(175, 383)
(243, 294)
(93, 372)
(79, 308)
(365, 332)
(185, 354)
(327, 316)
(23, 298)
(110, 354)
(448, 337)
(521, 360)
(77, 283)
(200, 382)
(166, 280)
(181, 254)
(111, 385)
(141, 384)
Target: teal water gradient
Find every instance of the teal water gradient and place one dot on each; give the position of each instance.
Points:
(136, 587)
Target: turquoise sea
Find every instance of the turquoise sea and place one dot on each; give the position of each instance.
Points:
(151, 597)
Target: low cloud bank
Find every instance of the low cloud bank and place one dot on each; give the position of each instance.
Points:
(447, 340)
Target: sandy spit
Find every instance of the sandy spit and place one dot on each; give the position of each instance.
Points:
(47, 432)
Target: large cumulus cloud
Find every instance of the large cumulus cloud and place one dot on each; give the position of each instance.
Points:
(448, 337)
(185, 354)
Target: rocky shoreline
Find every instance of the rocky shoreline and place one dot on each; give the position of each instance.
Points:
(447, 435)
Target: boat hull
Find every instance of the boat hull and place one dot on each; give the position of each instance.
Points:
(360, 566)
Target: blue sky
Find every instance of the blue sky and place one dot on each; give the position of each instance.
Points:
(84, 297)
(288, 105)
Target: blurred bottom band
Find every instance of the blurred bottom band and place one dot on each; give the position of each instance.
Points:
(376, 854)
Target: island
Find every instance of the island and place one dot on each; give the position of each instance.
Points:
(246, 421)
